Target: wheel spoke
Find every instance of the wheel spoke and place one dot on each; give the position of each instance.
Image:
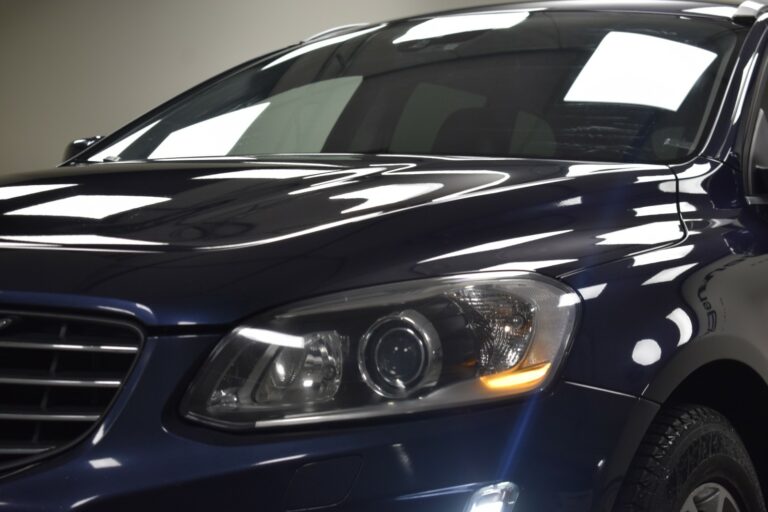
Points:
(689, 505)
(720, 500)
(729, 505)
(710, 497)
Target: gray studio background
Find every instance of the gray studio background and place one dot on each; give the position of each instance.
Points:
(75, 68)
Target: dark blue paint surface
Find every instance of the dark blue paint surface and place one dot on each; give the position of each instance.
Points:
(144, 454)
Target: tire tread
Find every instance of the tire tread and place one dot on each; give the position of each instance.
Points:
(651, 468)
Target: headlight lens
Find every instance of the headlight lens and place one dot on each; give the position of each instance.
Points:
(391, 349)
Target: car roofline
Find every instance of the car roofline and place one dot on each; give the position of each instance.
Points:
(698, 8)
(741, 11)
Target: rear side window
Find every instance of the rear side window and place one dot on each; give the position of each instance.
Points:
(579, 86)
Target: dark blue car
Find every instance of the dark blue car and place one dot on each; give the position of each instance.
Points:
(511, 259)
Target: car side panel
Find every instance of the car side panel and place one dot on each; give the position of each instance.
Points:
(663, 314)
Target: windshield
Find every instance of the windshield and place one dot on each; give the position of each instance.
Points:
(537, 84)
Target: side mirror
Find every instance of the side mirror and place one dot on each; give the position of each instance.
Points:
(78, 146)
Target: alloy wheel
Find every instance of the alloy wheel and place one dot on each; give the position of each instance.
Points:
(710, 497)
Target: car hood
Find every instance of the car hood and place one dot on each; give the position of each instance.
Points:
(210, 242)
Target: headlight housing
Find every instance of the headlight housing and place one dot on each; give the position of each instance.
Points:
(391, 349)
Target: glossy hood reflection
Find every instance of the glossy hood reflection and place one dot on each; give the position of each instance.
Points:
(230, 207)
(89, 206)
(199, 206)
(221, 236)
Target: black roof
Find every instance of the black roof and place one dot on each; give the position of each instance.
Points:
(717, 9)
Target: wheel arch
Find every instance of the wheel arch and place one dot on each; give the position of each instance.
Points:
(727, 374)
(707, 353)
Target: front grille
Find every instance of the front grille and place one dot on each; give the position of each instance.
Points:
(58, 376)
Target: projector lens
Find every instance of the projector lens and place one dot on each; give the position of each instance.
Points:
(400, 354)
(388, 350)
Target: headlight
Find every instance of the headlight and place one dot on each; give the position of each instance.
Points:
(386, 350)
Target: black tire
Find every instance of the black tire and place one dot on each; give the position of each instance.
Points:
(686, 447)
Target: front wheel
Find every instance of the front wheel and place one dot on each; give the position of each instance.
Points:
(691, 460)
(710, 497)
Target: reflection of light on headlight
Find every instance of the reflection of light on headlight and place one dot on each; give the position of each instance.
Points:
(272, 337)
(517, 379)
(400, 354)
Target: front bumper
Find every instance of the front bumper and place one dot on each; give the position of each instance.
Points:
(565, 449)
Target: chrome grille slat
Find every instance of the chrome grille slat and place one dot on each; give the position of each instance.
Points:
(58, 376)
(34, 345)
(25, 449)
(22, 415)
(59, 382)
